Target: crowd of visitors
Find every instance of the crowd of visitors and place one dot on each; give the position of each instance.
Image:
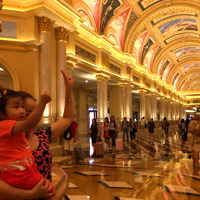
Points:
(30, 157)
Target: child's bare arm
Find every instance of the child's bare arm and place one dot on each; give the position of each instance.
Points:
(39, 191)
(33, 119)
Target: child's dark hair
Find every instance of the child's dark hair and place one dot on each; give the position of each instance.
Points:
(5, 95)
(26, 95)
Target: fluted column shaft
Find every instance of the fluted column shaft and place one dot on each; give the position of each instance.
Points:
(169, 115)
(45, 25)
(142, 104)
(154, 106)
(61, 38)
(126, 100)
(102, 96)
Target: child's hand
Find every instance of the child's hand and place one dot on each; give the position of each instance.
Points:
(42, 189)
(68, 81)
(45, 97)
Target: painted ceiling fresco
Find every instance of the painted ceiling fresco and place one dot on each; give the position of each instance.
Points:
(158, 33)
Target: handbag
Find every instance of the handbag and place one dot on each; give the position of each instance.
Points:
(67, 135)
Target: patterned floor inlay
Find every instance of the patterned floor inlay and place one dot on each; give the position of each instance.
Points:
(77, 197)
(181, 189)
(72, 186)
(116, 184)
(126, 198)
(92, 173)
(149, 174)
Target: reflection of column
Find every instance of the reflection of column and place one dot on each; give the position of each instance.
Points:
(142, 104)
(61, 38)
(154, 106)
(102, 97)
(45, 25)
(1, 5)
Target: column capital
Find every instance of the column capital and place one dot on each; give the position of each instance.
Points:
(142, 91)
(70, 65)
(61, 33)
(123, 84)
(45, 24)
(101, 77)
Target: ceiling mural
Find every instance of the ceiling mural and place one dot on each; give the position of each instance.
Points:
(118, 24)
(177, 25)
(187, 50)
(150, 55)
(163, 36)
(139, 43)
(166, 71)
(108, 9)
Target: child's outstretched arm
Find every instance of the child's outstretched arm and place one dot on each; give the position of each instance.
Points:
(39, 191)
(33, 119)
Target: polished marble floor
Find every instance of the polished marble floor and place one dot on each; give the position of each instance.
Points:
(151, 168)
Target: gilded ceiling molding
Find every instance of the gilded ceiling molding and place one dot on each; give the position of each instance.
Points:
(179, 66)
(45, 24)
(193, 83)
(61, 33)
(152, 13)
(187, 81)
(177, 44)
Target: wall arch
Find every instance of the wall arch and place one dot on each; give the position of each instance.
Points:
(11, 70)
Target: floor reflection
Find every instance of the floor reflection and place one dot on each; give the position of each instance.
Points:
(155, 167)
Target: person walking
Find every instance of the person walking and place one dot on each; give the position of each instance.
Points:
(113, 127)
(132, 129)
(151, 126)
(106, 133)
(125, 129)
(165, 126)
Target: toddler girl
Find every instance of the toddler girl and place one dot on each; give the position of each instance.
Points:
(17, 166)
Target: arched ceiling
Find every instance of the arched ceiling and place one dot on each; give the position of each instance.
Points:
(163, 35)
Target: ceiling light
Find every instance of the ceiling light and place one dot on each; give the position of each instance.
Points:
(1, 69)
(86, 81)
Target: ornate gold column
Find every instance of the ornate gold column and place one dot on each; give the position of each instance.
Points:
(173, 110)
(126, 99)
(162, 108)
(1, 5)
(154, 107)
(102, 96)
(61, 37)
(123, 86)
(169, 114)
(45, 26)
(129, 107)
(142, 103)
